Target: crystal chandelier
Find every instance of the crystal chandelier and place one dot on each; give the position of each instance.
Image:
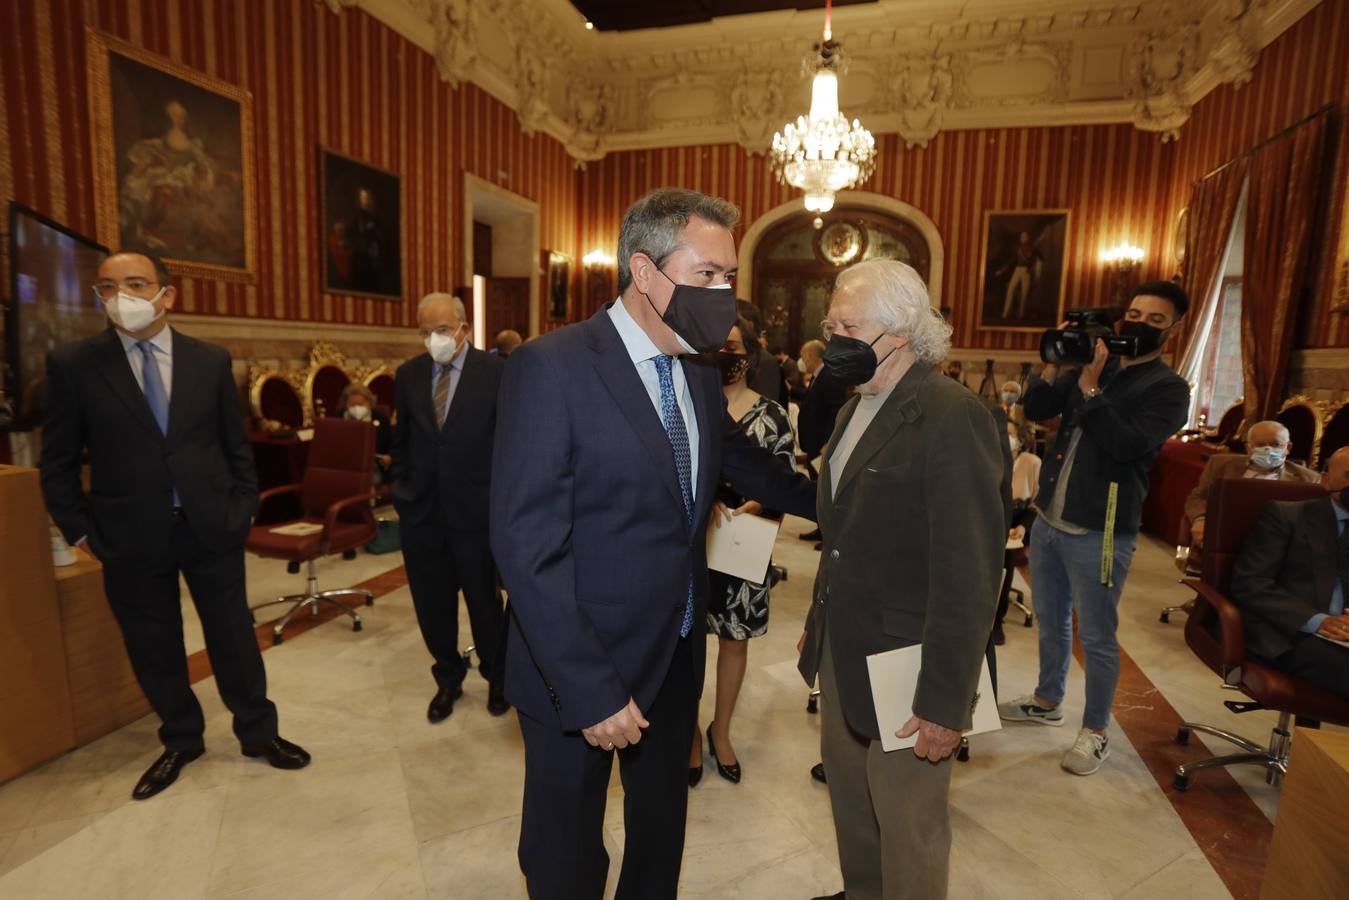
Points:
(823, 153)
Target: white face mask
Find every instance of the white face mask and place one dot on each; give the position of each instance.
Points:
(132, 314)
(801, 366)
(360, 413)
(1014, 444)
(442, 347)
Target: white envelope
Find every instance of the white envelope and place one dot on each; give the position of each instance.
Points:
(894, 680)
(742, 547)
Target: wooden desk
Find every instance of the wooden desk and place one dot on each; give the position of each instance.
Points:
(1308, 858)
(35, 720)
(104, 694)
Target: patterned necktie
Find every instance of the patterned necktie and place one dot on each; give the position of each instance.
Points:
(441, 394)
(153, 385)
(679, 441)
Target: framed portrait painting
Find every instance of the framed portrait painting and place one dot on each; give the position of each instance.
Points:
(1021, 282)
(362, 209)
(173, 155)
(557, 267)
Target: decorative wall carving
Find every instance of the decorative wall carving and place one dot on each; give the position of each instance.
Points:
(950, 66)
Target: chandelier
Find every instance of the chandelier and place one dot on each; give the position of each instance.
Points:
(823, 153)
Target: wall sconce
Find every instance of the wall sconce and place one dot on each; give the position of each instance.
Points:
(598, 264)
(1122, 261)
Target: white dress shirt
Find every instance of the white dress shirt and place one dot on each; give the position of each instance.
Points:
(162, 347)
(643, 352)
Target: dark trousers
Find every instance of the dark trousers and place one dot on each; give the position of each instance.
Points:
(440, 563)
(566, 782)
(144, 596)
(1324, 664)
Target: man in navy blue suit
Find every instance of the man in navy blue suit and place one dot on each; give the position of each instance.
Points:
(610, 442)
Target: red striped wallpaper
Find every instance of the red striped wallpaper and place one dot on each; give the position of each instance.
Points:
(345, 81)
(1303, 70)
(1114, 178)
(348, 82)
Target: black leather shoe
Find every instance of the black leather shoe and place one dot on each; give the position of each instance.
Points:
(817, 772)
(999, 636)
(164, 772)
(442, 704)
(496, 700)
(280, 753)
(732, 772)
(811, 535)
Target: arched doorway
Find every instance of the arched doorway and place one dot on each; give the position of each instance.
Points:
(795, 265)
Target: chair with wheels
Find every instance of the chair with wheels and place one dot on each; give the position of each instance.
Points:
(335, 516)
(1216, 634)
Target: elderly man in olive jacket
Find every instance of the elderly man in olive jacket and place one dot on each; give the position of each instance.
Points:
(911, 510)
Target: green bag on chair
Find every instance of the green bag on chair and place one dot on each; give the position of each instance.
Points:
(386, 538)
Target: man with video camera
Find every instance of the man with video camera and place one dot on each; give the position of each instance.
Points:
(1119, 404)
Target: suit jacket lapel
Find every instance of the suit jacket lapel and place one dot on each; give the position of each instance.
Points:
(900, 408)
(185, 379)
(1323, 533)
(420, 385)
(711, 418)
(114, 367)
(623, 383)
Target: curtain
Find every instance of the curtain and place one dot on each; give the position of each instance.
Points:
(1208, 240)
(1280, 209)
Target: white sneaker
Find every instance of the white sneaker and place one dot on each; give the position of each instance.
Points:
(1088, 752)
(1025, 709)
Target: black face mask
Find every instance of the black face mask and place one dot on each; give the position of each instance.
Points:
(733, 366)
(701, 316)
(1149, 338)
(850, 360)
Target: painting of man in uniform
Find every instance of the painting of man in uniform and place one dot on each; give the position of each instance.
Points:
(179, 167)
(360, 228)
(1022, 277)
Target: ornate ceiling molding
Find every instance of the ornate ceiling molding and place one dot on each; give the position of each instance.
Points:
(917, 67)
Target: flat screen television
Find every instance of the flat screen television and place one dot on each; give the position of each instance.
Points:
(51, 302)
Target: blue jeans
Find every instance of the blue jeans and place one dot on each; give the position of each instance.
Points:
(1066, 578)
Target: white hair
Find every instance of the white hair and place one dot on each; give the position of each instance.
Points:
(900, 304)
(454, 302)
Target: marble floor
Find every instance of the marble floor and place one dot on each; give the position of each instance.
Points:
(395, 807)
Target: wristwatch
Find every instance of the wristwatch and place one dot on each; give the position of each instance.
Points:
(1094, 392)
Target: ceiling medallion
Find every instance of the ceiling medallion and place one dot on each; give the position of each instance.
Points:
(823, 153)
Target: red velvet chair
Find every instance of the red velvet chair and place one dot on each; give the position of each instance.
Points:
(335, 505)
(1217, 636)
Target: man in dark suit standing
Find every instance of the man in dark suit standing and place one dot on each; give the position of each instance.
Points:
(912, 505)
(820, 402)
(172, 490)
(615, 444)
(1290, 582)
(442, 467)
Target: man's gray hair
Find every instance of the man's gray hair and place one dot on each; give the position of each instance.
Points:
(652, 224)
(900, 304)
(437, 296)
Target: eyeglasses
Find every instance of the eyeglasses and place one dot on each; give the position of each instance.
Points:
(107, 289)
(831, 326)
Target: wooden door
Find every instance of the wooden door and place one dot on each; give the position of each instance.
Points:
(507, 307)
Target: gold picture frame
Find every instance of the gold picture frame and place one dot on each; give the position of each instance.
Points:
(186, 192)
(1008, 238)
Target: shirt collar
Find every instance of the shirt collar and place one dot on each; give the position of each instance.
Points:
(163, 342)
(1341, 514)
(639, 345)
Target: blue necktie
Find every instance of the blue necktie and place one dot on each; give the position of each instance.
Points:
(679, 441)
(153, 385)
(155, 395)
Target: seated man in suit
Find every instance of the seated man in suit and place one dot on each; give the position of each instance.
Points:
(1290, 583)
(1268, 446)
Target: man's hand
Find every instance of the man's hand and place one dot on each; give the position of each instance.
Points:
(1090, 379)
(722, 511)
(935, 742)
(1017, 534)
(1197, 533)
(619, 730)
(1336, 627)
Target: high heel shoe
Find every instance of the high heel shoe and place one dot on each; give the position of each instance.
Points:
(732, 772)
(695, 776)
